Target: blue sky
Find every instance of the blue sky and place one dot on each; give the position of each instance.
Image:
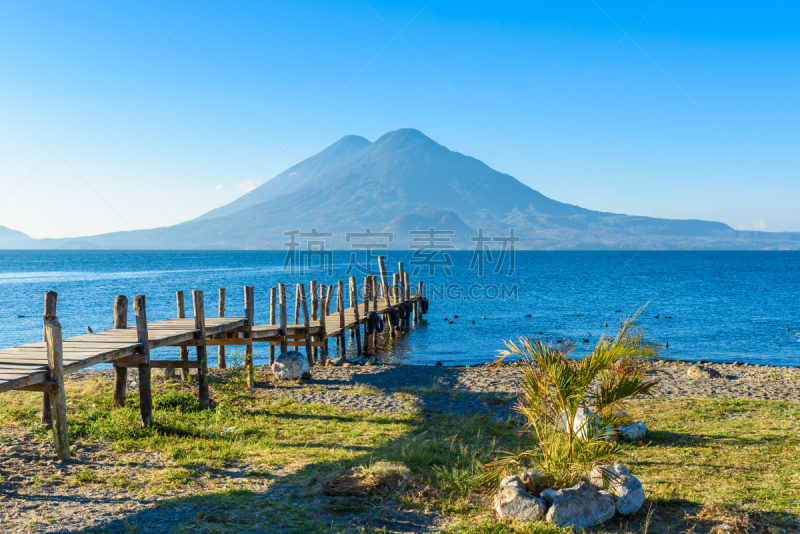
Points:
(692, 114)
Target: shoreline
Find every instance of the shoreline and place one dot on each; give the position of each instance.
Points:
(396, 388)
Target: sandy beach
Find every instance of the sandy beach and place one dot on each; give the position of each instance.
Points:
(491, 391)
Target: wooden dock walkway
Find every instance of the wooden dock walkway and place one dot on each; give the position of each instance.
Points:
(41, 366)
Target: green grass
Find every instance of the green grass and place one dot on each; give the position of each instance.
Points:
(257, 461)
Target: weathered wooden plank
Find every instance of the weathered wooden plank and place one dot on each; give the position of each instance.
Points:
(32, 378)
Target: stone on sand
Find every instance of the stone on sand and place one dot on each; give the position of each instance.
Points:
(700, 371)
(290, 365)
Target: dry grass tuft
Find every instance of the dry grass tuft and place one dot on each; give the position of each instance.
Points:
(727, 519)
(378, 477)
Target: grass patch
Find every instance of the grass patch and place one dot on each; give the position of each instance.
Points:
(257, 462)
(363, 389)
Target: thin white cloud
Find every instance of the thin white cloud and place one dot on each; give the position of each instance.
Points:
(246, 187)
(759, 226)
(218, 188)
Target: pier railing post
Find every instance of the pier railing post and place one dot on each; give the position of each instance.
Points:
(297, 305)
(354, 304)
(419, 304)
(404, 279)
(273, 297)
(323, 353)
(250, 315)
(387, 297)
(283, 318)
(120, 372)
(340, 306)
(184, 351)
(50, 300)
(202, 358)
(327, 311)
(373, 287)
(145, 392)
(312, 289)
(401, 280)
(221, 363)
(56, 396)
(366, 298)
(301, 295)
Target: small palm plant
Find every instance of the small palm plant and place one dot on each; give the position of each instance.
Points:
(572, 406)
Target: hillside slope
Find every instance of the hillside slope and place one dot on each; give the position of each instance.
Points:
(406, 181)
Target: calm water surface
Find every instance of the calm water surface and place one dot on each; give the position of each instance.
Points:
(724, 306)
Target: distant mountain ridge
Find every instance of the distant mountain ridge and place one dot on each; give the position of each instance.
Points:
(404, 181)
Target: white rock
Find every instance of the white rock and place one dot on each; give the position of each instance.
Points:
(579, 425)
(581, 506)
(615, 469)
(514, 503)
(290, 365)
(629, 494)
(626, 489)
(514, 481)
(633, 432)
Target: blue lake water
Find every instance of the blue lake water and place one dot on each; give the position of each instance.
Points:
(724, 306)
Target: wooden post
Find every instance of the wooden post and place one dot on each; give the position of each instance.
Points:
(407, 287)
(57, 397)
(202, 359)
(397, 298)
(184, 351)
(221, 363)
(312, 288)
(323, 353)
(273, 297)
(327, 306)
(145, 393)
(384, 282)
(283, 318)
(297, 305)
(120, 373)
(419, 304)
(301, 293)
(340, 304)
(50, 301)
(354, 303)
(366, 297)
(373, 284)
(401, 277)
(250, 316)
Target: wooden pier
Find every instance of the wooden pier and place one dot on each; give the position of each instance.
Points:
(42, 366)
